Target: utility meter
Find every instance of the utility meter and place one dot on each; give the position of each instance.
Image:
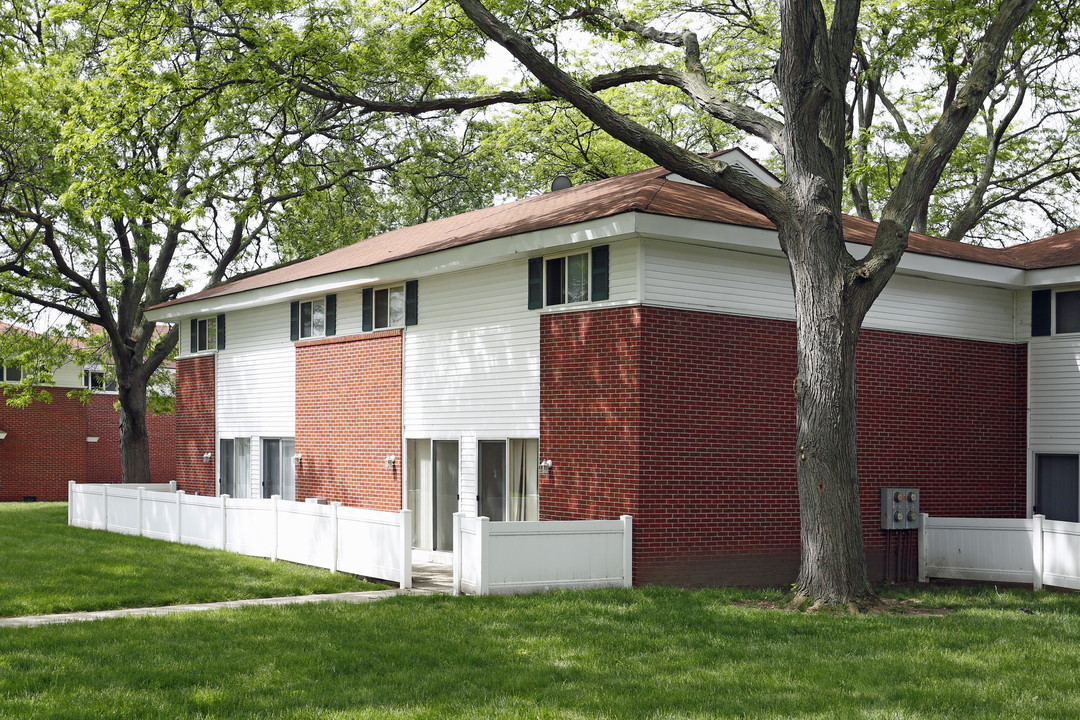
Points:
(899, 508)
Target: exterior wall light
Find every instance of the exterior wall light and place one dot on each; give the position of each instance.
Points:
(297, 459)
(545, 466)
(206, 457)
(389, 463)
(3, 434)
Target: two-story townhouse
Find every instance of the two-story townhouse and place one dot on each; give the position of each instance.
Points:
(625, 347)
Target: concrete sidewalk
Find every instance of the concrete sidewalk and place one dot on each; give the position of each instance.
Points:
(428, 579)
(347, 597)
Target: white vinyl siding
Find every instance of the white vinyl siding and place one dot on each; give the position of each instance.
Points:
(256, 381)
(472, 364)
(1054, 392)
(712, 279)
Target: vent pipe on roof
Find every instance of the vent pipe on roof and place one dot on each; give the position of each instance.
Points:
(561, 182)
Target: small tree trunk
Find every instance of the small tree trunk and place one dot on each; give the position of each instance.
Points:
(134, 439)
(833, 567)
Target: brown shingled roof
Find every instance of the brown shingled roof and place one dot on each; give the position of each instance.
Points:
(647, 191)
(1054, 251)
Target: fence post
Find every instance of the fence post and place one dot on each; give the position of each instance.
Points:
(406, 548)
(457, 553)
(179, 516)
(334, 535)
(628, 550)
(224, 523)
(924, 540)
(483, 536)
(105, 503)
(172, 485)
(1037, 549)
(71, 500)
(140, 497)
(274, 510)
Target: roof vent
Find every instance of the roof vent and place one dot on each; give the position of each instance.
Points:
(561, 182)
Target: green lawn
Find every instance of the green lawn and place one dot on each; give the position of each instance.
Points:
(643, 653)
(48, 567)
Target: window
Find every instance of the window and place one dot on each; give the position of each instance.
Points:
(566, 279)
(390, 307)
(1067, 312)
(207, 334)
(1057, 309)
(98, 380)
(313, 318)
(10, 373)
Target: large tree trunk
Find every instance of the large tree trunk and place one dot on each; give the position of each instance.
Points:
(828, 318)
(134, 439)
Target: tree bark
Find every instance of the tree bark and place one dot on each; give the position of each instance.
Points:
(134, 438)
(833, 559)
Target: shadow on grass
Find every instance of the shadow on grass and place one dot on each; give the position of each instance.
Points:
(607, 654)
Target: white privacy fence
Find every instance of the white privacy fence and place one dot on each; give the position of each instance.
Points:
(1035, 550)
(515, 557)
(364, 542)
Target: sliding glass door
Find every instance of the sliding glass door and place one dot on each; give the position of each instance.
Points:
(432, 492)
(234, 466)
(508, 479)
(278, 477)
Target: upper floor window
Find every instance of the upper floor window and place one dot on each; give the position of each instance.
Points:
(207, 334)
(10, 373)
(390, 307)
(313, 318)
(575, 278)
(98, 380)
(1057, 309)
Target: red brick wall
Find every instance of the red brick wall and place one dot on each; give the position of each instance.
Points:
(348, 419)
(706, 460)
(195, 429)
(103, 457)
(45, 448)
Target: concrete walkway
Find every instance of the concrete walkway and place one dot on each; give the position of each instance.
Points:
(427, 580)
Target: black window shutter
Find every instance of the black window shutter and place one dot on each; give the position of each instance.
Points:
(294, 321)
(194, 335)
(412, 311)
(536, 283)
(1040, 312)
(331, 315)
(221, 332)
(369, 310)
(600, 272)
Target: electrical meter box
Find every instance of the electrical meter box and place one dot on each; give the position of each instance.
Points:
(899, 508)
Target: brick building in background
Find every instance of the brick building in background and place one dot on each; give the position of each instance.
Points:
(48, 444)
(627, 347)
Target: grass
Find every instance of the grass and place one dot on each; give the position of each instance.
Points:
(644, 653)
(48, 567)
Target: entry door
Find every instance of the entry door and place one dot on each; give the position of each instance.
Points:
(1057, 487)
